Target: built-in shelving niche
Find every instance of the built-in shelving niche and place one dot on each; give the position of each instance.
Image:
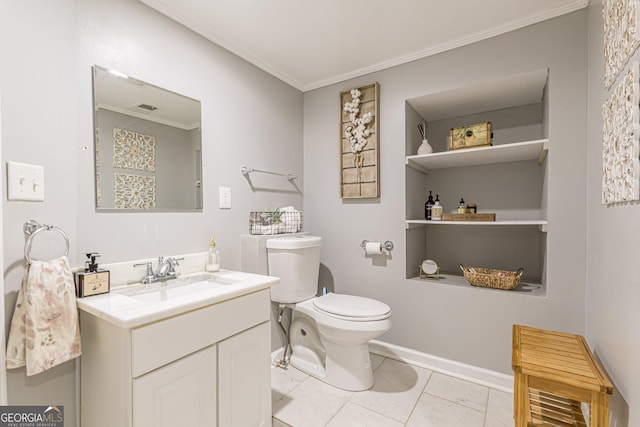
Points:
(508, 179)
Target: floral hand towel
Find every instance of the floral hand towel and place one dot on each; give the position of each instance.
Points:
(44, 329)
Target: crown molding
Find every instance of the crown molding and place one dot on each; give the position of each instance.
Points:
(172, 13)
(571, 6)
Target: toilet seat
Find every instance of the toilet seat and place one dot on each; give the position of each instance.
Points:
(351, 307)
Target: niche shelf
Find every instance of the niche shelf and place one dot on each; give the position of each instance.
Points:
(508, 178)
(540, 223)
(512, 152)
(525, 289)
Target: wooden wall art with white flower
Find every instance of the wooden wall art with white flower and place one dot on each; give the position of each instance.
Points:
(359, 156)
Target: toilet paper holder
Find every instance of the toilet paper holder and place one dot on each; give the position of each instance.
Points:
(388, 245)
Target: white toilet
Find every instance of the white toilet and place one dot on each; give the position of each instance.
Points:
(330, 333)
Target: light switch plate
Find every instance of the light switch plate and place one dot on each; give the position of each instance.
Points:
(25, 182)
(224, 194)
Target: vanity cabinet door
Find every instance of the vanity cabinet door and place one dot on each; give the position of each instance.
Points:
(244, 378)
(182, 393)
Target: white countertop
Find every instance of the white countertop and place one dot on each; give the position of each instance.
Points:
(122, 309)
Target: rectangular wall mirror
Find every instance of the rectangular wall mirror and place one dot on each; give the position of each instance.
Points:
(147, 144)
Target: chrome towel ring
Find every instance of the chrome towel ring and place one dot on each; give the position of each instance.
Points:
(33, 227)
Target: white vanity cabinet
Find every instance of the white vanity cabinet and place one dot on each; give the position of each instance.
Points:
(208, 366)
(182, 393)
(243, 382)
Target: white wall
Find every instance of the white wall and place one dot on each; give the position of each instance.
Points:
(38, 126)
(467, 325)
(613, 282)
(3, 372)
(249, 118)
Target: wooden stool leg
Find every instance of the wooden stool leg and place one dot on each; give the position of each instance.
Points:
(522, 412)
(599, 410)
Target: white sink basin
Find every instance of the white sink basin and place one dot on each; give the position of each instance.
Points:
(136, 305)
(177, 288)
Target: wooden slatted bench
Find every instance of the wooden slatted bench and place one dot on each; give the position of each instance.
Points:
(553, 373)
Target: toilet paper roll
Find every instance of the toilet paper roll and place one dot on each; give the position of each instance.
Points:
(373, 248)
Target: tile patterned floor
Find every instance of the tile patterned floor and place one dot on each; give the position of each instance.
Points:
(403, 395)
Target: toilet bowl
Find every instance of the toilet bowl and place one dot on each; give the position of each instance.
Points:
(330, 338)
(329, 334)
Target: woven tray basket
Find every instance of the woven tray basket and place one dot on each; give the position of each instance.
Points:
(492, 278)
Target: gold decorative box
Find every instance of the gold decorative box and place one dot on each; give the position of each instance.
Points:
(477, 135)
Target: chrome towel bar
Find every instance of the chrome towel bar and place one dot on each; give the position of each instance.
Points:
(247, 170)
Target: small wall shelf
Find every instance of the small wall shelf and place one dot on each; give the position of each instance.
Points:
(517, 151)
(540, 223)
(523, 289)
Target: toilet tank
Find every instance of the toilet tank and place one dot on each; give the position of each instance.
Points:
(296, 261)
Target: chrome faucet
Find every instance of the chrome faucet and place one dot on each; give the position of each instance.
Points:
(166, 269)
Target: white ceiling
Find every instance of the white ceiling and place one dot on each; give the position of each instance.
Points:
(310, 44)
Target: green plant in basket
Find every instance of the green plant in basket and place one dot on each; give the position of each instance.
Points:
(271, 217)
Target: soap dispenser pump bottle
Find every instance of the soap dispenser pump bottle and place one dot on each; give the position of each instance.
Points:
(213, 257)
(92, 281)
(462, 207)
(436, 210)
(428, 206)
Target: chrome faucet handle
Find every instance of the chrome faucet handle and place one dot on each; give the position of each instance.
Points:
(148, 275)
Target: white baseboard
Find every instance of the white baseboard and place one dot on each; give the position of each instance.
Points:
(463, 371)
(486, 377)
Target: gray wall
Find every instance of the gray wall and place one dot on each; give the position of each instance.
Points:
(468, 325)
(249, 118)
(613, 284)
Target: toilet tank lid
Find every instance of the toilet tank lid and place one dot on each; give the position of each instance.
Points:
(294, 242)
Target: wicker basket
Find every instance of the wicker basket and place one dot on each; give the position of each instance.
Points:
(492, 278)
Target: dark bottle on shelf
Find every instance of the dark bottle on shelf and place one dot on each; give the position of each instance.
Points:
(428, 206)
